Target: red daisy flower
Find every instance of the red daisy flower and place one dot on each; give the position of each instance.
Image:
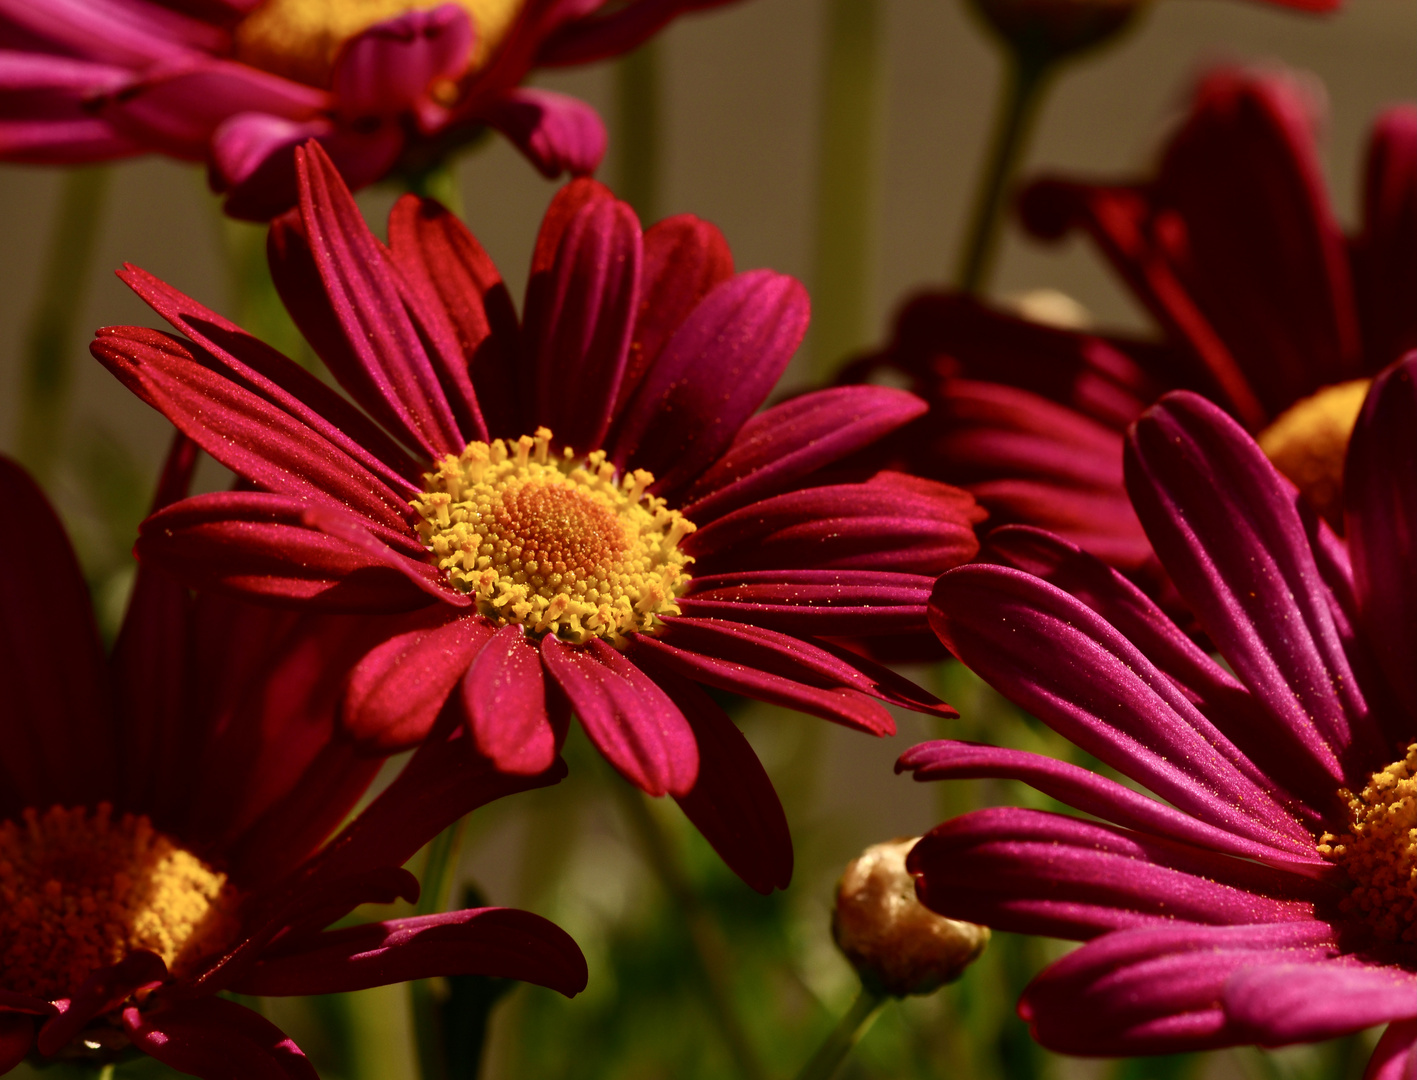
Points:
(163, 814)
(241, 83)
(1268, 309)
(588, 515)
(1268, 894)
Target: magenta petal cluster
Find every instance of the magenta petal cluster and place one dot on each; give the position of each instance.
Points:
(214, 723)
(239, 84)
(1233, 247)
(647, 350)
(1268, 892)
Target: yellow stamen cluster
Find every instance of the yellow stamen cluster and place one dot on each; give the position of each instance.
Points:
(301, 39)
(1308, 443)
(80, 890)
(1380, 850)
(555, 543)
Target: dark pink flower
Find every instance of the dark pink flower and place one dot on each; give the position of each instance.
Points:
(582, 511)
(166, 814)
(240, 84)
(1267, 893)
(1234, 248)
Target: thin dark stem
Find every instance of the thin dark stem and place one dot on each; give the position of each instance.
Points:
(705, 935)
(847, 1033)
(1027, 79)
(49, 338)
(637, 115)
(438, 866)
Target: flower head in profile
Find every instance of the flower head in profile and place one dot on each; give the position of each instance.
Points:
(166, 819)
(579, 510)
(1268, 309)
(239, 84)
(1268, 893)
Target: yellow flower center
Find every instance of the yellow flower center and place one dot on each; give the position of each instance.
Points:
(558, 544)
(300, 39)
(80, 890)
(1309, 441)
(1379, 851)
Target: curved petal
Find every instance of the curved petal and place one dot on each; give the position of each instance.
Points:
(1032, 872)
(112, 31)
(627, 716)
(1225, 526)
(387, 68)
(216, 1039)
(500, 942)
(787, 442)
(602, 35)
(504, 700)
(100, 992)
(557, 132)
(1385, 254)
(1395, 1057)
(712, 375)
(817, 603)
(1287, 1003)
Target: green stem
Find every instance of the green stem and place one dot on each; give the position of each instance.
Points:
(106, 1073)
(49, 338)
(844, 1036)
(704, 933)
(637, 114)
(1028, 77)
(439, 182)
(443, 856)
(846, 183)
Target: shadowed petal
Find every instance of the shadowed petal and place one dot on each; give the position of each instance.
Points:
(1289, 1003)
(500, 942)
(1385, 255)
(628, 718)
(1395, 1057)
(100, 992)
(216, 1039)
(814, 602)
(16, 1039)
(504, 700)
(557, 132)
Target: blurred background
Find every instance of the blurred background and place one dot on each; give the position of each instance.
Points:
(740, 128)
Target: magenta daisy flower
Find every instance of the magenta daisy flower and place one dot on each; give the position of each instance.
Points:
(165, 813)
(582, 512)
(1268, 893)
(1268, 309)
(240, 83)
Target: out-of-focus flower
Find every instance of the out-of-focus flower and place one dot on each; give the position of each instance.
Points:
(896, 944)
(580, 512)
(1268, 893)
(239, 84)
(1234, 248)
(163, 815)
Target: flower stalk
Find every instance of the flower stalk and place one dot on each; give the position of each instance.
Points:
(853, 1024)
(638, 114)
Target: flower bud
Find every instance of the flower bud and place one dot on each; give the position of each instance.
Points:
(894, 942)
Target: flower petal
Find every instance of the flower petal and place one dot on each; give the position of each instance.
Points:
(500, 942)
(101, 991)
(787, 442)
(714, 373)
(216, 1039)
(504, 700)
(1395, 1057)
(627, 716)
(1289, 1003)
(16, 1039)
(387, 68)
(1385, 254)
(557, 132)
(816, 603)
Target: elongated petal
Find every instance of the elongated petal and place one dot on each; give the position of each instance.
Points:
(387, 69)
(1060, 661)
(1395, 1057)
(787, 442)
(732, 802)
(397, 690)
(557, 132)
(1385, 253)
(112, 31)
(361, 286)
(1381, 524)
(504, 700)
(578, 322)
(713, 374)
(601, 35)
(1225, 525)
(277, 547)
(814, 602)
(216, 1039)
(1039, 873)
(1289, 1003)
(56, 723)
(1159, 989)
(500, 942)
(628, 718)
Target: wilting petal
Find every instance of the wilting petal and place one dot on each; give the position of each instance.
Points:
(628, 718)
(216, 1039)
(504, 699)
(500, 942)
(1032, 872)
(1287, 1003)
(1158, 990)
(713, 374)
(787, 442)
(397, 690)
(556, 131)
